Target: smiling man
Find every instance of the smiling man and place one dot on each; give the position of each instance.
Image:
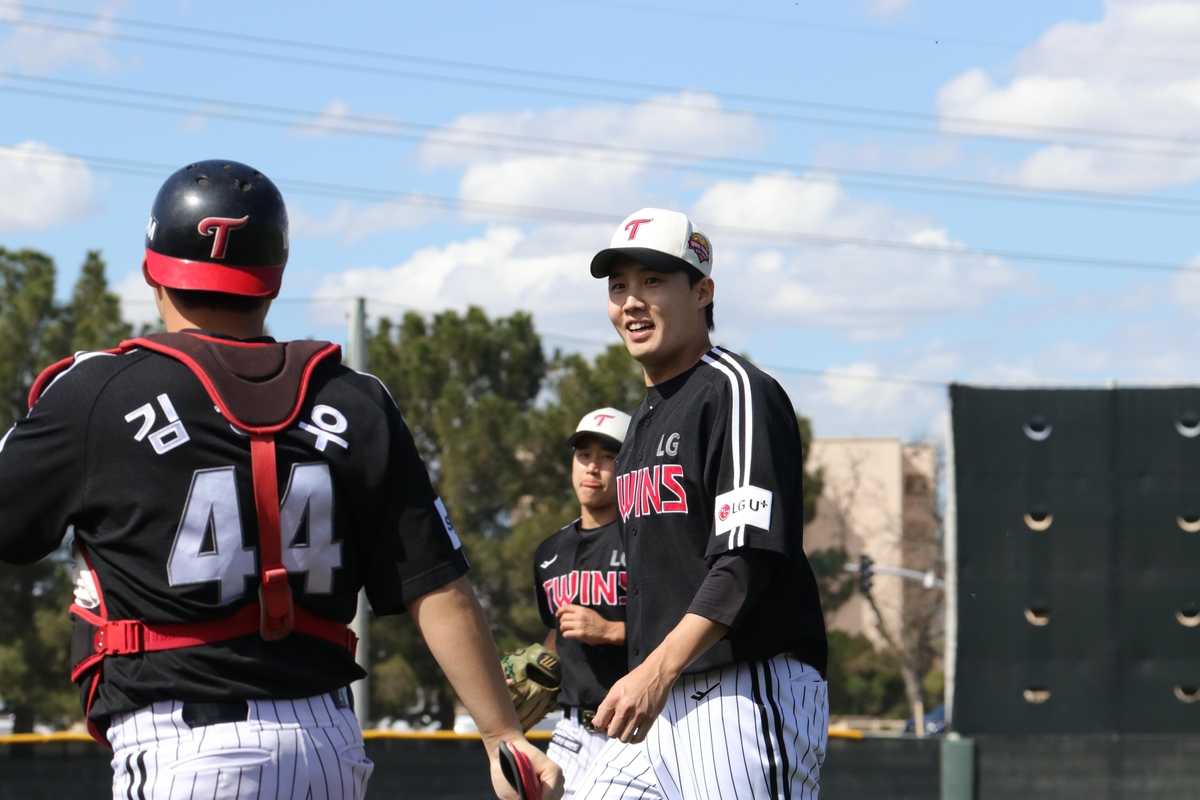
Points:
(725, 696)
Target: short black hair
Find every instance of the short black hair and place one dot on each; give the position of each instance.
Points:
(694, 276)
(194, 299)
(607, 442)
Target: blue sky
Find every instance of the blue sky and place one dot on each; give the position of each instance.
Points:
(483, 102)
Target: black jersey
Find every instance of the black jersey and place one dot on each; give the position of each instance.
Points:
(130, 451)
(584, 568)
(712, 463)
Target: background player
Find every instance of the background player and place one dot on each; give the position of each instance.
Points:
(724, 625)
(230, 495)
(579, 575)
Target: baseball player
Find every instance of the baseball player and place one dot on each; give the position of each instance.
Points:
(725, 695)
(579, 575)
(229, 495)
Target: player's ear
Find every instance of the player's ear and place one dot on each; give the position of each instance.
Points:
(706, 289)
(146, 274)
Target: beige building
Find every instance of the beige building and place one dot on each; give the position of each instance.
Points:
(880, 498)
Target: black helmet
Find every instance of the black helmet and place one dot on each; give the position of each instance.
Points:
(218, 226)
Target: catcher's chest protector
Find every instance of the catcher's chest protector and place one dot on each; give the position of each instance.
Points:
(259, 388)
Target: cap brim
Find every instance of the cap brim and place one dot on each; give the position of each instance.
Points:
(656, 260)
(604, 439)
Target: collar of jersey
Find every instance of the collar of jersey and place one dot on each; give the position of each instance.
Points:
(669, 388)
(227, 339)
(586, 532)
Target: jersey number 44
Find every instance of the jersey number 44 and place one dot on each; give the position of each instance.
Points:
(209, 545)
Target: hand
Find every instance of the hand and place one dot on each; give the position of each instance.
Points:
(584, 624)
(549, 772)
(634, 702)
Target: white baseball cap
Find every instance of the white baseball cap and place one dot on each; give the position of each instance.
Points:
(607, 423)
(664, 241)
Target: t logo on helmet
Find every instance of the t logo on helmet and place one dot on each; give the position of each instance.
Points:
(219, 228)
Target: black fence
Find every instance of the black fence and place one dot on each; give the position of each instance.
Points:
(1079, 561)
(1006, 768)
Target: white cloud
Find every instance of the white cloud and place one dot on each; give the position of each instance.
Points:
(137, 299)
(863, 293)
(849, 400)
(333, 115)
(336, 118)
(37, 51)
(503, 270)
(1185, 288)
(866, 293)
(683, 123)
(41, 188)
(558, 182)
(1132, 70)
(354, 221)
(687, 122)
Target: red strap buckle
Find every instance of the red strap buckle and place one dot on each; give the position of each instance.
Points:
(120, 637)
(275, 583)
(278, 575)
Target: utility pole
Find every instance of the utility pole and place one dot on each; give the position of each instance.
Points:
(356, 358)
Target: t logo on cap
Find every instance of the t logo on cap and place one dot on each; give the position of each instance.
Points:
(635, 224)
(601, 417)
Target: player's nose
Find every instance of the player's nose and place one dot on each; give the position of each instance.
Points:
(632, 301)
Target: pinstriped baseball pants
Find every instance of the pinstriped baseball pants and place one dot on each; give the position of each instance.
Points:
(748, 731)
(304, 749)
(574, 748)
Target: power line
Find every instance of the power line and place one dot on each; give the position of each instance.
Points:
(930, 383)
(475, 139)
(934, 383)
(518, 211)
(691, 13)
(939, 39)
(585, 340)
(488, 83)
(310, 46)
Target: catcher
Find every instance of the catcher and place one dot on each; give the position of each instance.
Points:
(230, 495)
(579, 575)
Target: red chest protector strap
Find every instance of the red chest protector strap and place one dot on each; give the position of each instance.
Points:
(262, 408)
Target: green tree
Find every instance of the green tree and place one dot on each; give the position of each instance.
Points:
(862, 680)
(31, 327)
(814, 482)
(94, 313)
(35, 331)
(465, 384)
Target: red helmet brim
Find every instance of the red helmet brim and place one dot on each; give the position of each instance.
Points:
(179, 273)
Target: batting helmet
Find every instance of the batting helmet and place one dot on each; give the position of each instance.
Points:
(218, 226)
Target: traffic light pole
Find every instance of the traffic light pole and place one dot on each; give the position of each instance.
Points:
(927, 579)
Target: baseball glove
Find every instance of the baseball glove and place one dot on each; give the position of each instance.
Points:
(536, 678)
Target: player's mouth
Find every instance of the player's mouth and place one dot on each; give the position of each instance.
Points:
(590, 484)
(639, 330)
